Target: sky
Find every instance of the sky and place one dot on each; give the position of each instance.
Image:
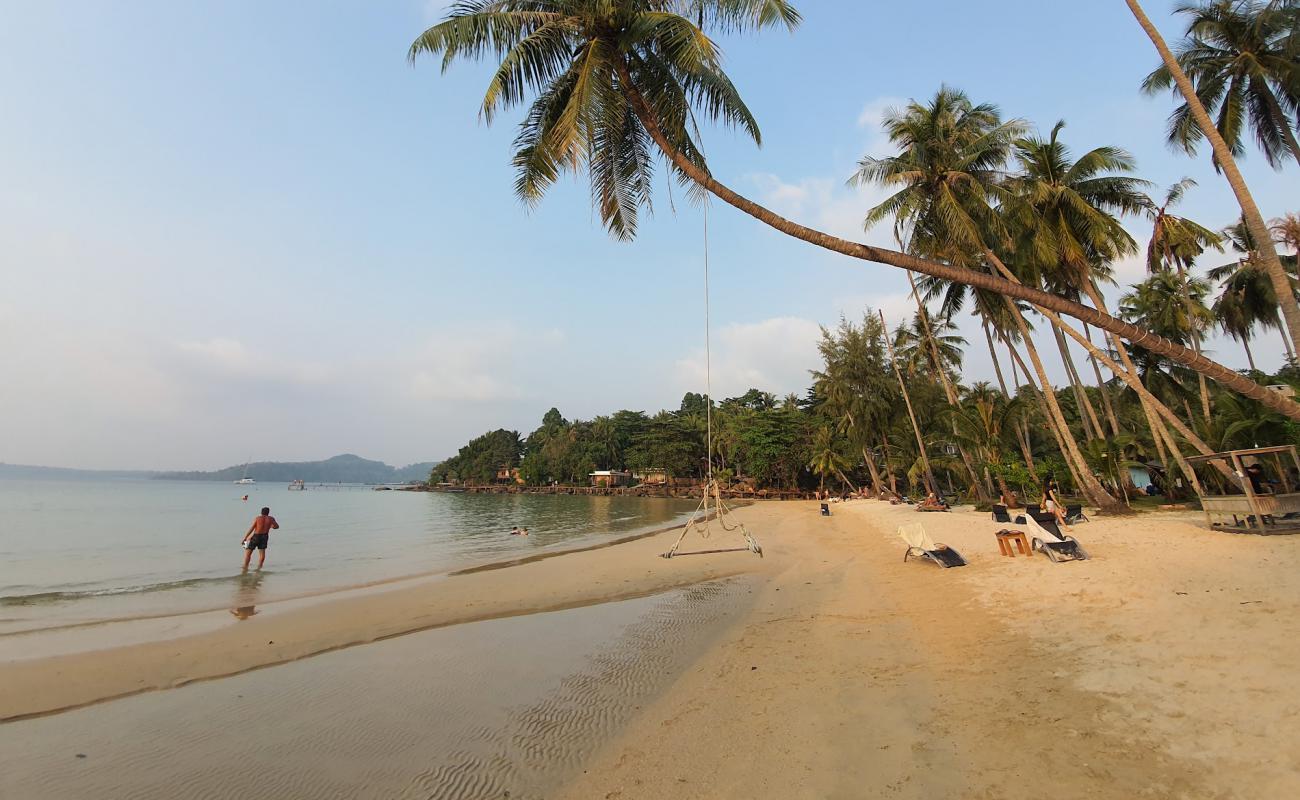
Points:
(253, 231)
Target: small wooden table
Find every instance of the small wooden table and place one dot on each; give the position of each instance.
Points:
(1005, 540)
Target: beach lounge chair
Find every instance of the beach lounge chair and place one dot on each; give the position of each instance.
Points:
(920, 544)
(1000, 514)
(1075, 515)
(1031, 509)
(1046, 538)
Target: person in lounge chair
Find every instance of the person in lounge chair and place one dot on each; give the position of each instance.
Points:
(1050, 506)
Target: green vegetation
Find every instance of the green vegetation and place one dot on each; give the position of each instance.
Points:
(990, 215)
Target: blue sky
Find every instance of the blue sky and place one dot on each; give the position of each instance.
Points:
(249, 230)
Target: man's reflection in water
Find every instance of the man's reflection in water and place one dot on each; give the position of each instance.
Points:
(246, 593)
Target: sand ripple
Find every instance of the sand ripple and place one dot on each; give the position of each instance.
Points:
(507, 708)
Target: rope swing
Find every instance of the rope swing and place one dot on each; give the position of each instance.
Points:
(720, 512)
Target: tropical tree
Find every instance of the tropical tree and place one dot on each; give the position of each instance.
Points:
(1236, 54)
(826, 457)
(916, 355)
(1064, 214)
(854, 387)
(1286, 231)
(1246, 298)
(1227, 164)
(610, 78)
(949, 169)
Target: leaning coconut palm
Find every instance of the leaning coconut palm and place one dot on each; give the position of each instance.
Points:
(1286, 231)
(1176, 243)
(949, 167)
(1065, 222)
(608, 77)
(1236, 56)
(1227, 163)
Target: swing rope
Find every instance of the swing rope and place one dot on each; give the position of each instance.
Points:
(721, 513)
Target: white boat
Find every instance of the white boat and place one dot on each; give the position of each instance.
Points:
(245, 481)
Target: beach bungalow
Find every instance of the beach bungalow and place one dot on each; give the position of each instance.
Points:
(652, 476)
(610, 478)
(507, 474)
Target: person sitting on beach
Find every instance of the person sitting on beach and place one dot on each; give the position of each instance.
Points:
(1052, 507)
(932, 501)
(258, 536)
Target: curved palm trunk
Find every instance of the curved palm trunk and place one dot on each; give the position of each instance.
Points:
(1050, 420)
(871, 468)
(1015, 379)
(1091, 488)
(1223, 155)
(1162, 438)
(1101, 386)
(1250, 357)
(1021, 439)
(980, 280)
(1087, 414)
(948, 390)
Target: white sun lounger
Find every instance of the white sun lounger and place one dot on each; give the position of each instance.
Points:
(920, 544)
(1052, 545)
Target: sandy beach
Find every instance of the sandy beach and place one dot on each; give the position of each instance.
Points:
(1161, 668)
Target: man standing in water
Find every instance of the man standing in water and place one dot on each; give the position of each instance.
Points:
(259, 533)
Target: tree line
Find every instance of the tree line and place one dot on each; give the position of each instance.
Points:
(988, 214)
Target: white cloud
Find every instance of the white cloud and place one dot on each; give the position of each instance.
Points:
(480, 365)
(773, 355)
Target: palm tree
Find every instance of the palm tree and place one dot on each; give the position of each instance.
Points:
(826, 459)
(609, 78)
(917, 351)
(986, 423)
(1236, 55)
(1176, 243)
(1247, 298)
(1174, 307)
(1286, 230)
(1065, 218)
(949, 169)
(1227, 163)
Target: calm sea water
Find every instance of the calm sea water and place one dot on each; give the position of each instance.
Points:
(80, 551)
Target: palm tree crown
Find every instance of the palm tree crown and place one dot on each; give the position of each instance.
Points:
(576, 57)
(1240, 55)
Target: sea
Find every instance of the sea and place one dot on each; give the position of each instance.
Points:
(79, 552)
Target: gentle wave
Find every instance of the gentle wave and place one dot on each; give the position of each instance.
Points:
(58, 596)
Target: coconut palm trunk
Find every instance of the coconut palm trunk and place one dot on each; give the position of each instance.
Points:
(979, 280)
(949, 392)
(1106, 402)
(1091, 488)
(1048, 418)
(871, 468)
(1021, 438)
(1228, 164)
(911, 415)
(1087, 415)
(1250, 357)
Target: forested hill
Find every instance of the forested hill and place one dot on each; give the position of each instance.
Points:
(346, 468)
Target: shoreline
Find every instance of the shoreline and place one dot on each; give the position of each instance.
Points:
(333, 591)
(290, 630)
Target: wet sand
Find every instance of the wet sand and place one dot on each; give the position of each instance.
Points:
(1162, 668)
(505, 708)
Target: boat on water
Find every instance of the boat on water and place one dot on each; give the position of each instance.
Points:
(297, 486)
(245, 481)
